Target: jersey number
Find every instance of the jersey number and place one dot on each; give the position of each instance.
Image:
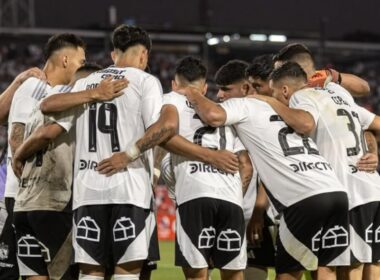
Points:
(353, 151)
(287, 150)
(107, 124)
(198, 135)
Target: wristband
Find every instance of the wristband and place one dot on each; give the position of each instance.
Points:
(133, 152)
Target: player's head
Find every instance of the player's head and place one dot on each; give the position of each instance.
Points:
(287, 79)
(84, 71)
(131, 47)
(190, 72)
(65, 53)
(258, 74)
(298, 53)
(231, 80)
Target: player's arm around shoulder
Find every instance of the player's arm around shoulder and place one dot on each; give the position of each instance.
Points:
(210, 112)
(7, 96)
(355, 85)
(302, 121)
(107, 89)
(159, 132)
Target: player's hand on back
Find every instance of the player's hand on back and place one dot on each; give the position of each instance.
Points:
(32, 72)
(115, 163)
(368, 163)
(109, 89)
(225, 160)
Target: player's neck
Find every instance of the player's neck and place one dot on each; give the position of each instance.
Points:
(127, 61)
(53, 74)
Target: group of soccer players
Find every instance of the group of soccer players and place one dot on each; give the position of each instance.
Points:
(280, 172)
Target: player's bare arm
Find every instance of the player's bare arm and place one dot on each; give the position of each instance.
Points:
(301, 121)
(370, 160)
(221, 159)
(245, 169)
(7, 96)
(256, 223)
(107, 89)
(209, 111)
(159, 132)
(355, 85)
(352, 83)
(17, 136)
(37, 141)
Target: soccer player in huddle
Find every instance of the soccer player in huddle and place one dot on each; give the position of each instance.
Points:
(64, 54)
(202, 191)
(235, 79)
(333, 119)
(8, 264)
(299, 182)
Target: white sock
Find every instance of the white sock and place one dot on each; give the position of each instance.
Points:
(126, 276)
(255, 273)
(89, 277)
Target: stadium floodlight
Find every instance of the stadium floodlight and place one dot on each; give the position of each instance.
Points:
(226, 38)
(213, 41)
(258, 37)
(277, 38)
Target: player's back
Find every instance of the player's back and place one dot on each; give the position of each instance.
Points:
(197, 179)
(104, 128)
(289, 165)
(340, 138)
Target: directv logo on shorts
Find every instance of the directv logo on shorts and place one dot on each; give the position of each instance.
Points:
(87, 164)
(306, 166)
(205, 168)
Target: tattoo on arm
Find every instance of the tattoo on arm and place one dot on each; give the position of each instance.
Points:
(154, 138)
(17, 136)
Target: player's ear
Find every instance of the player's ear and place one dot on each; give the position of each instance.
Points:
(113, 55)
(285, 91)
(245, 88)
(65, 61)
(174, 85)
(205, 87)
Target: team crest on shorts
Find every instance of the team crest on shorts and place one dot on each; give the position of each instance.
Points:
(4, 251)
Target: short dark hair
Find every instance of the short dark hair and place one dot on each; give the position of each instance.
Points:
(60, 41)
(288, 70)
(190, 69)
(89, 67)
(231, 72)
(290, 51)
(261, 67)
(125, 36)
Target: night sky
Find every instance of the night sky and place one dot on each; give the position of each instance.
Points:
(294, 16)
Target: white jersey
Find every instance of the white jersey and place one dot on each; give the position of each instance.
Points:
(339, 137)
(104, 128)
(46, 180)
(196, 179)
(24, 101)
(289, 165)
(167, 175)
